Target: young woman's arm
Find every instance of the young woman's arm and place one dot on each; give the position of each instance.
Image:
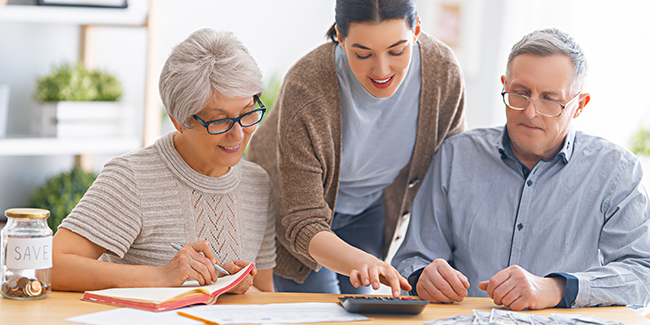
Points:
(363, 269)
(263, 281)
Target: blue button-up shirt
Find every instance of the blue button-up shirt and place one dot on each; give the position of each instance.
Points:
(583, 215)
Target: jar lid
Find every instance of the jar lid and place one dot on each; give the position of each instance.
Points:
(27, 213)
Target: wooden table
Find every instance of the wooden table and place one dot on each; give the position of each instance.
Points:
(61, 305)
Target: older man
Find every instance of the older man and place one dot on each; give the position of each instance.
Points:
(534, 214)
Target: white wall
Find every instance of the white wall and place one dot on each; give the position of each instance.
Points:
(276, 32)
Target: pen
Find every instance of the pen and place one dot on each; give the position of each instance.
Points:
(216, 266)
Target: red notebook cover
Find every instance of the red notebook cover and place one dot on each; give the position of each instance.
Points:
(161, 299)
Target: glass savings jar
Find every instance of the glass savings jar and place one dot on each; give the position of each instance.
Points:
(26, 255)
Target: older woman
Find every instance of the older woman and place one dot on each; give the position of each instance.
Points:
(189, 187)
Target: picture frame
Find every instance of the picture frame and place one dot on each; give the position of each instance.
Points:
(85, 3)
(458, 23)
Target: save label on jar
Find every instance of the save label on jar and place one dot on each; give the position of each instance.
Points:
(29, 253)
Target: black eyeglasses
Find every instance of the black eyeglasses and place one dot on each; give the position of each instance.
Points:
(225, 124)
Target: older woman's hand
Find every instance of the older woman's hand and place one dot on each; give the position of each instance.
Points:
(195, 260)
(234, 267)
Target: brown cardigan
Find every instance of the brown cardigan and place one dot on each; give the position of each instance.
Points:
(299, 145)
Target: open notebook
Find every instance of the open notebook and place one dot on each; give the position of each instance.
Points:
(167, 298)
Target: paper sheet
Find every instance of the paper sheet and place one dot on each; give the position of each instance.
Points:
(273, 313)
(308, 312)
(128, 316)
(161, 294)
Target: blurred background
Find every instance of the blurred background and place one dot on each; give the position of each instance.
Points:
(614, 35)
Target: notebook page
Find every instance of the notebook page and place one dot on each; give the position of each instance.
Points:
(161, 294)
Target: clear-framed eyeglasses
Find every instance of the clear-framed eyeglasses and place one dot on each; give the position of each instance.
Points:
(545, 107)
(225, 124)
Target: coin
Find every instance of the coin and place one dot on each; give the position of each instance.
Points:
(13, 289)
(22, 286)
(33, 289)
(13, 284)
(25, 288)
(23, 282)
(5, 289)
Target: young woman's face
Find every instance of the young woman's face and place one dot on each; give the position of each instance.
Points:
(380, 54)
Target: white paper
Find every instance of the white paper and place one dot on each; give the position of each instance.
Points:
(159, 295)
(128, 316)
(29, 253)
(307, 312)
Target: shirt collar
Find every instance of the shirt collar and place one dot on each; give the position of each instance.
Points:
(503, 145)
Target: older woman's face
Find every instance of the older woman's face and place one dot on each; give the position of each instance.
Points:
(214, 154)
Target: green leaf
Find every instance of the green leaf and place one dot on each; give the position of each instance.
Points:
(69, 82)
(640, 142)
(61, 193)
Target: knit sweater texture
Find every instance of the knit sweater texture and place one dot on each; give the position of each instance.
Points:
(145, 200)
(299, 145)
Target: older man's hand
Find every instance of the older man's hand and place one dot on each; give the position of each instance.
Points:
(439, 282)
(518, 289)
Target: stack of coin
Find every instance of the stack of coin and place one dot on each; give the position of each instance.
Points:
(24, 288)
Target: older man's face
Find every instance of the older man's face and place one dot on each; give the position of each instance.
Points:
(535, 136)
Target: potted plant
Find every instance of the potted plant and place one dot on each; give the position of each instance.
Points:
(271, 92)
(78, 102)
(61, 193)
(640, 146)
(640, 142)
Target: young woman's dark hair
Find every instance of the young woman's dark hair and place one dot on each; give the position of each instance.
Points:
(376, 11)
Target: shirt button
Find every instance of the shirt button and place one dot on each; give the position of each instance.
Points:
(520, 226)
(414, 182)
(529, 182)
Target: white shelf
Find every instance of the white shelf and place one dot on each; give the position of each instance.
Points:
(59, 146)
(134, 15)
(139, 13)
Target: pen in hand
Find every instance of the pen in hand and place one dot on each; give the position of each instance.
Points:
(216, 266)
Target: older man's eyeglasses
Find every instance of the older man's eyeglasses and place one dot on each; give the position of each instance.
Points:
(545, 107)
(225, 124)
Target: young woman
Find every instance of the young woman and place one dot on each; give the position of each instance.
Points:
(189, 187)
(354, 129)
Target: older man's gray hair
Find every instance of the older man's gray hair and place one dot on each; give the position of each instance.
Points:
(207, 64)
(551, 41)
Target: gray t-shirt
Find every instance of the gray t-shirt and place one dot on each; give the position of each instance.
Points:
(378, 134)
(143, 201)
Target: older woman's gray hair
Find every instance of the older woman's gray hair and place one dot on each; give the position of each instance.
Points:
(208, 63)
(551, 41)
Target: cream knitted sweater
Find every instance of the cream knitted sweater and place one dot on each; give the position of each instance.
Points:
(145, 200)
